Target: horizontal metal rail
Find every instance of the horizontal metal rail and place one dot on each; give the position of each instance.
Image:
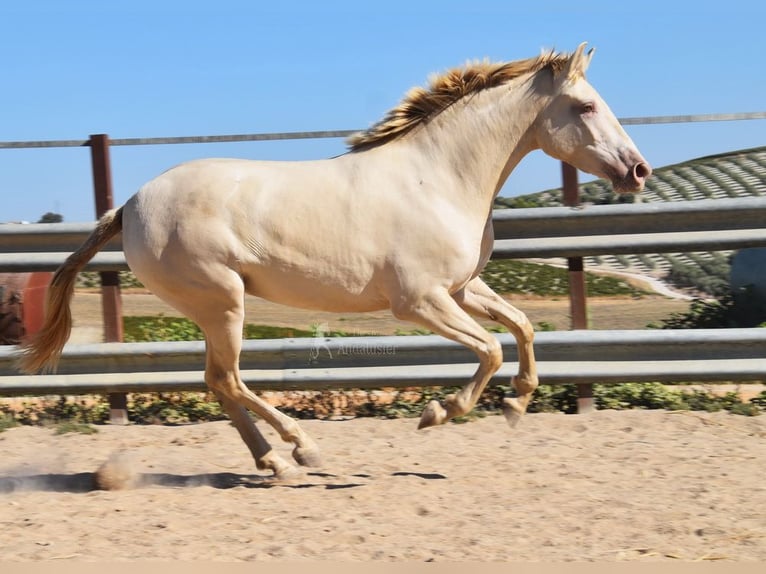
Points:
(702, 225)
(631, 218)
(650, 120)
(628, 244)
(229, 138)
(373, 362)
(28, 262)
(548, 247)
(396, 376)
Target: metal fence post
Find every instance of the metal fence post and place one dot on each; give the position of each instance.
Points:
(111, 302)
(577, 288)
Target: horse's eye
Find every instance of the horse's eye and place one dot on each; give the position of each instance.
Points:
(588, 108)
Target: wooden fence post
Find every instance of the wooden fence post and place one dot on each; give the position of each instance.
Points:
(577, 287)
(111, 302)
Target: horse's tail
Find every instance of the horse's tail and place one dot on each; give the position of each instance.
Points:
(43, 350)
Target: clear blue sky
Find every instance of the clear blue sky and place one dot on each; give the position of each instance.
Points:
(170, 68)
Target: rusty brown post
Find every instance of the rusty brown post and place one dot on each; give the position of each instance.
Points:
(577, 288)
(111, 302)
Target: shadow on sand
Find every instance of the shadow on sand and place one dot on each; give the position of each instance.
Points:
(87, 482)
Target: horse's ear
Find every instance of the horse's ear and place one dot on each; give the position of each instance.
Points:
(579, 62)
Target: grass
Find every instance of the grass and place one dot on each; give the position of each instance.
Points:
(520, 277)
(7, 421)
(162, 328)
(66, 427)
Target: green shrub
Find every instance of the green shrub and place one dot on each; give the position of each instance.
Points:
(709, 275)
(160, 328)
(638, 395)
(91, 279)
(741, 308)
(7, 421)
(554, 399)
(174, 408)
(52, 412)
(563, 398)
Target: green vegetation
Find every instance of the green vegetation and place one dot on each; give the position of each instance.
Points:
(162, 328)
(742, 308)
(65, 427)
(63, 414)
(512, 276)
(523, 201)
(563, 398)
(174, 408)
(7, 421)
(192, 407)
(50, 217)
(91, 279)
(707, 274)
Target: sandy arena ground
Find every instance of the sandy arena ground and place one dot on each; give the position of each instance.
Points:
(608, 486)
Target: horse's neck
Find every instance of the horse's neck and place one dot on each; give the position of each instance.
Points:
(481, 139)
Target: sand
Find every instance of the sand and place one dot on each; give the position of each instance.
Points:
(608, 486)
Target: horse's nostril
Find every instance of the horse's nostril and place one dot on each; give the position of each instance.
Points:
(641, 171)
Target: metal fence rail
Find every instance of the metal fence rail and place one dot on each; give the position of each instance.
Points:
(278, 136)
(702, 225)
(372, 362)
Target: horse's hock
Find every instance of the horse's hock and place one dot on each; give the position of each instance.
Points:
(22, 304)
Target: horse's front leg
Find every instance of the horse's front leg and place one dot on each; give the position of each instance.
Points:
(439, 312)
(479, 300)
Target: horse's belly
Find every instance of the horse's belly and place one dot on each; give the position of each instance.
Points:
(297, 290)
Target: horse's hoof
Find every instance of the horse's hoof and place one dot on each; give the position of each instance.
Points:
(434, 414)
(513, 411)
(287, 474)
(307, 456)
(275, 463)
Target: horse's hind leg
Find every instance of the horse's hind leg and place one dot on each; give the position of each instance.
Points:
(220, 315)
(217, 306)
(479, 300)
(264, 456)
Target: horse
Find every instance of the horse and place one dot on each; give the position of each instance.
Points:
(402, 221)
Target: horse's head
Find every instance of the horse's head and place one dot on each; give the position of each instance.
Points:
(579, 128)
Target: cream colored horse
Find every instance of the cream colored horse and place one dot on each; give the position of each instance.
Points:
(402, 221)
